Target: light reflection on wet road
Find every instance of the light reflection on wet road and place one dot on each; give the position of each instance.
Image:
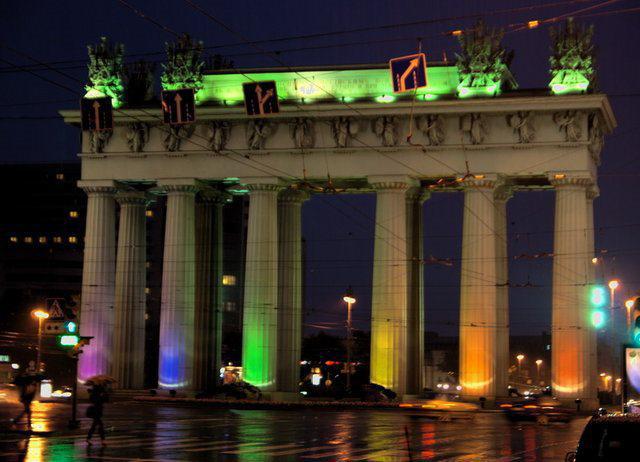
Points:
(141, 432)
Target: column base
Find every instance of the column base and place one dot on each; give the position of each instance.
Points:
(284, 396)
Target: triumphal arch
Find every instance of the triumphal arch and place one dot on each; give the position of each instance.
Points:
(470, 130)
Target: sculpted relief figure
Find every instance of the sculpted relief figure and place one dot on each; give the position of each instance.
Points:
(387, 130)
(174, 136)
(343, 128)
(302, 133)
(475, 126)
(522, 124)
(569, 123)
(137, 135)
(257, 132)
(596, 138)
(218, 135)
(98, 140)
(432, 126)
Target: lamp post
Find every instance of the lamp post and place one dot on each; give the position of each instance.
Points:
(349, 300)
(613, 285)
(538, 366)
(520, 357)
(629, 306)
(40, 314)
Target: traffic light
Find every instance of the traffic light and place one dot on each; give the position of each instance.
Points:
(635, 323)
(70, 336)
(598, 299)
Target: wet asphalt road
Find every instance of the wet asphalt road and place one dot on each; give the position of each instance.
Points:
(144, 432)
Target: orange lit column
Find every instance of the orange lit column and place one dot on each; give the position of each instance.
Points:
(130, 306)
(478, 290)
(260, 316)
(502, 195)
(289, 288)
(98, 279)
(572, 342)
(415, 199)
(389, 311)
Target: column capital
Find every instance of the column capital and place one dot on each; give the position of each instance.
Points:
(295, 196)
(503, 192)
(483, 181)
(593, 192)
(392, 182)
(97, 186)
(262, 183)
(213, 196)
(559, 179)
(183, 185)
(132, 197)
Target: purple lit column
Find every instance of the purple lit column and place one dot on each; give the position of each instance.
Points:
(175, 369)
(98, 279)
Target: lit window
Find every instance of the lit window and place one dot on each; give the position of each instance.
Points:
(147, 290)
(42, 240)
(13, 239)
(73, 239)
(149, 213)
(57, 239)
(59, 176)
(28, 240)
(228, 280)
(229, 306)
(73, 214)
(148, 264)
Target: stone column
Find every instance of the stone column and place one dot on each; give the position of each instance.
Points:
(572, 337)
(502, 195)
(415, 290)
(208, 315)
(175, 369)
(289, 289)
(260, 317)
(592, 193)
(478, 291)
(98, 279)
(130, 300)
(389, 311)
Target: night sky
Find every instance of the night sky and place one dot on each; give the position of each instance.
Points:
(339, 231)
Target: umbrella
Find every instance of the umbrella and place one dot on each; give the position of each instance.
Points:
(100, 380)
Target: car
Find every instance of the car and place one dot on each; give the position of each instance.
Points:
(543, 409)
(609, 437)
(444, 406)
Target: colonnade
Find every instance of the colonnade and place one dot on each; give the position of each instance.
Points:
(113, 286)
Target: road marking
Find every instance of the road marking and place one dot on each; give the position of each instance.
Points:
(222, 448)
(298, 451)
(263, 448)
(375, 454)
(336, 452)
(151, 443)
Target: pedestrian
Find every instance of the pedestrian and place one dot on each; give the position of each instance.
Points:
(27, 393)
(97, 396)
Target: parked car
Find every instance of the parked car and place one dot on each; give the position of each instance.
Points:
(607, 438)
(444, 406)
(543, 409)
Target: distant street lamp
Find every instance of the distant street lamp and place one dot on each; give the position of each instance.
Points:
(40, 314)
(538, 366)
(629, 306)
(520, 357)
(613, 285)
(349, 300)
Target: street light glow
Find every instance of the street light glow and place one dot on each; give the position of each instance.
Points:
(629, 303)
(349, 299)
(520, 357)
(40, 314)
(613, 284)
(538, 361)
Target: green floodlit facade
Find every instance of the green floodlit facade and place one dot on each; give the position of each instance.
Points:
(344, 85)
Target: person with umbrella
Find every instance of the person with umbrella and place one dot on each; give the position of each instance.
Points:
(98, 395)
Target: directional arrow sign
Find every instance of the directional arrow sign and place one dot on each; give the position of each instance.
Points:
(260, 98)
(408, 72)
(96, 114)
(179, 106)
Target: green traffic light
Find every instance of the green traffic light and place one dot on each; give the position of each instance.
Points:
(72, 327)
(68, 340)
(598, 296)
(598, 319)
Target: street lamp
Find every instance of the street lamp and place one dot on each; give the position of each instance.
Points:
(40, 314)
(629, 306)
(349, 299)
(538, 365)
(613, 285)
(520, 357)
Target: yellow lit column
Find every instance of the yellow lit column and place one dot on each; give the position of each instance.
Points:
(478, 291)
(98, 279)
(260, 316)
(415, 290)
(290, 288)
(389, 311)
(572, 341)
(131, 276)
(502, 195)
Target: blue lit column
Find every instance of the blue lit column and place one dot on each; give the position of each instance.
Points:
(175, 369)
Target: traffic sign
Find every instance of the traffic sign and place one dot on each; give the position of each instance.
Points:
(56, 307)
(96, 114)
(260, 98)
(53, 327)
(408, 72)
(179, 106)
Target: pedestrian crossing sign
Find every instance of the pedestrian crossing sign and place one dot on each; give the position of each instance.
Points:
(55, 308)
